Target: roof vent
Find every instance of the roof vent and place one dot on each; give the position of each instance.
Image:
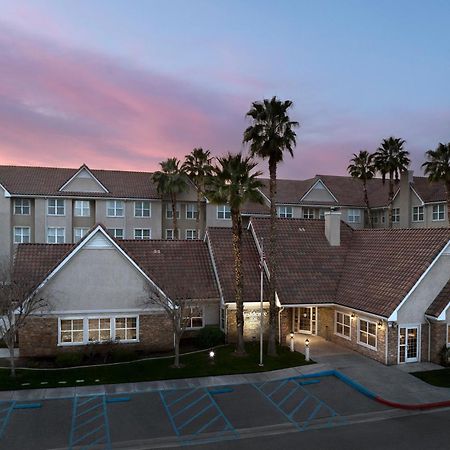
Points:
(157, 251)
(301, 229)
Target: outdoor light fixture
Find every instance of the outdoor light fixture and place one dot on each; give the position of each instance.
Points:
(306, 349)
(212, 354)
(380, 323)
(291, 343)
(306, 342)
(353, 315)
(305, 315)
(292, 335)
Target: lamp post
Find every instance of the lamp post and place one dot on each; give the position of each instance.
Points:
(291, 343)
(261, 297)
(306, 349)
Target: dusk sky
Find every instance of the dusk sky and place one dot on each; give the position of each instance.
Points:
(126, 84)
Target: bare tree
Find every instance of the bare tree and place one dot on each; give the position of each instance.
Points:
(17, 304)
(180, 311)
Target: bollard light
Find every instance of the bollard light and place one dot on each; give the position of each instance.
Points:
(291, 343)
(212, 354)
(307, 342)
(306, 349)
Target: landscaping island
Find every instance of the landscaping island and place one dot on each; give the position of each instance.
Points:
(440, 377)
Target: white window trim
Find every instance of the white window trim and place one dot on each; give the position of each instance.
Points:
(349, 338)
(194, 211)
(85, 320)
(186, 234)
(115, 208)
(169, 210)
(21, 227)
(82, 209)
(351, 216)
(22, 200)
(56, 236)
(56, 207)
(202, 308)
(85, 231)
(395, 216)
(113, 234)
(304, 213)
(282, 212)
(149, 209)
(418, 214)
(218, 207)
(363, 344)
(443, 211)
(142, 238)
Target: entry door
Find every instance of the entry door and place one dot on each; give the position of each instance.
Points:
(408, 344)
(305, 320)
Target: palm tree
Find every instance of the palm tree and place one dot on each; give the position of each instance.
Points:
(171, 181)
(270, 135)
(197, 166)
(438, 168)
(391, 159)
(362, 168)
(232, 183)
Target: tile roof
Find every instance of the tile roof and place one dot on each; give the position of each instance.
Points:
(182, 269)
(440, 302)
(383, 265)
(46, 181)
(222, 251)
(308, 267)
(429, 192)
(252, 208)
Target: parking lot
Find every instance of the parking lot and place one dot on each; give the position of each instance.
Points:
(182, 417)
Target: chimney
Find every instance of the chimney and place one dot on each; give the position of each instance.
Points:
(333, 228)
(403, 202)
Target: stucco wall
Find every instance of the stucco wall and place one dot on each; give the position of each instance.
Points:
(5, 227)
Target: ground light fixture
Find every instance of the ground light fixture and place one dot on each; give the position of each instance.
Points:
(291, 343)
(211, 355)
(306, 349)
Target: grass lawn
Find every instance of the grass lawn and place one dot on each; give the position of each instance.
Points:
(440, 377)
(195, 365)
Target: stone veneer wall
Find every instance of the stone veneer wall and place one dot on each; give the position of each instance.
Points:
(251, 324)
(438, 340)
(39, 337)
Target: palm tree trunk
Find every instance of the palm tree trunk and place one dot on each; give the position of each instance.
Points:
(199, 200)
(237, 247)
(174, 216)
(366, 199)
(391, 199)
(12, 361)
(271, 348)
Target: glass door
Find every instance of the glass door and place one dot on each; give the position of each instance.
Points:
(408, 344)
(305, 319)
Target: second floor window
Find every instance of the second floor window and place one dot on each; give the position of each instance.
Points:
(142, 233)
(417, 214)
(116, 232)
(81, 208)
(284, 212)
(22, 207)
(114, 208)
(438, 212)
(191, 235)
(56, 207)
(223, 212)
(169, 212)
(78, 233)
(142, 209)
(22, 235)
(395, 215)
(191, 211)
(170, 234)
(56, 235)
(354, 216)
(308, 213)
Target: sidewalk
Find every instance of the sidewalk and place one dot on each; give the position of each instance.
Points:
(388, 382)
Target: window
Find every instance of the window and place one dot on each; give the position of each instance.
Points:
(114, 208)
(448, 335)
(142, 209)
(417, 214)
(142, 233)
(438, 212)
(170, 234)
(78, 233)
(321, 213)
(99, 329)
(383, 217)
(169, 214)
(308, 213)
(22, 235)
(354, 215)
(71, 331)
(22, 207)
(367, 333)
(81, 208)
(395, 215)
(56, 235)
(116, 232)
(193, 317)
(126, 328)
(343, 327)
(284, 212)
(375, 218)
(56, 207)
(191, 234)
(191, 211)
(223, 212)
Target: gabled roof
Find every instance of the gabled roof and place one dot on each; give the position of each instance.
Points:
(222, 252)
(181, 269)
(429, 192)
(83, 168)
(440, 303)
(47, 181)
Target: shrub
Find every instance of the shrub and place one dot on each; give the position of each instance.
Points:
(210, 336)
(121, 354)
(69, 359)
(445, 356)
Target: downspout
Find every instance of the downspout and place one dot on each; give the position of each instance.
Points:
(429, 338)
(279, 323)
(386, 345)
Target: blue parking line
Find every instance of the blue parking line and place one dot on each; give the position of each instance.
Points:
(192, 418)
(178, 399)
(189, 405)
(28, 406)
(169, 415)
(5, 415)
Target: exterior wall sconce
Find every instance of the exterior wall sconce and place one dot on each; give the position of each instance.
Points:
(353, 315)
(392, 325)
(291, 343)
(306, 349)
(380, 323)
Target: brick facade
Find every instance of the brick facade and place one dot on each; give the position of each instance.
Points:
(39, 337)
(251, 324)
(438, 340)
